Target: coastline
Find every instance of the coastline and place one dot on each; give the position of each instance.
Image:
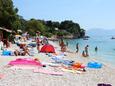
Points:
(89, 78)
(77, 57)
(93, 58)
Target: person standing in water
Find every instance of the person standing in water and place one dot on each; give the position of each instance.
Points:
(62, 45)
(96, 49)
(83, 54)
(77, 47)
(86, 50)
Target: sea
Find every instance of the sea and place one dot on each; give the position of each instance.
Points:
(100, 38)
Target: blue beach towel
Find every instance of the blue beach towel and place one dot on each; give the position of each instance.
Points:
(65, 62)
(57, 60)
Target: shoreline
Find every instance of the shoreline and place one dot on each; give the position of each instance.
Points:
(90, 57)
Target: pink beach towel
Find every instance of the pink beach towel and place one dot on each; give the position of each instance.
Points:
(23, 67)
(48, 72)
(1, 76)
(25, 61)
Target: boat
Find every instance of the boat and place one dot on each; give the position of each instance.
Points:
(85, 38)
(112, 37)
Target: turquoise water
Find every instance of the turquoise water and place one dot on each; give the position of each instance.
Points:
(106, 46)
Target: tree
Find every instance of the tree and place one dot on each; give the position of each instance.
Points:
(70, 27)
(34, 25)
(11, 20)
(82, 31)
(23, 23)
(8, 15)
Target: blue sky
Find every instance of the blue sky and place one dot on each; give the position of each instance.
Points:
(88, 13)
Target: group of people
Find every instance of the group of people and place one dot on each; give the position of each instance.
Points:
(25, 44)
(22, 51)
(85, 51)
(25, 49)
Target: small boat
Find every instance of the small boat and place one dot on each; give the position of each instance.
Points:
(113, 38)
(85, 38)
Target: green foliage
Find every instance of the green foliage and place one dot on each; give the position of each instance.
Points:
(50, 28)
(11, 20)
(34, 25)
(16, 25)
(70, 26)
(23, 23)
(82, 32)
(47, 34)
(8, 15)
(62, 33)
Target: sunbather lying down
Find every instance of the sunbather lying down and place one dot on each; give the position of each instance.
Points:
(22, 52)
(76, 66)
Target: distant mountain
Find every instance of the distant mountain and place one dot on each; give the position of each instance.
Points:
(100, 32)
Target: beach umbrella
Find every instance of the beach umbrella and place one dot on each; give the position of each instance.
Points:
(48, 48)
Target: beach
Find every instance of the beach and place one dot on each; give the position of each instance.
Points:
(26, 77)
(57, 43)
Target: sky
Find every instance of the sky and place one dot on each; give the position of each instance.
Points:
(88, 13)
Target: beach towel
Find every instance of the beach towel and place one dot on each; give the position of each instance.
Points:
(25, 61)
(51, 64)
(44, 71)
(71, 71)
(23, 67)
(65, 62)
(57, 60)
(2, 76)
(68, 62)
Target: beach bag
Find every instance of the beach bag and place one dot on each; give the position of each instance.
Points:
(103, 84)
(6, 53)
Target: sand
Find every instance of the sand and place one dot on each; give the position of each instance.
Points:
(19, 77)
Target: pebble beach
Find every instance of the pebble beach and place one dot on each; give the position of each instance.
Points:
(26, 77)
